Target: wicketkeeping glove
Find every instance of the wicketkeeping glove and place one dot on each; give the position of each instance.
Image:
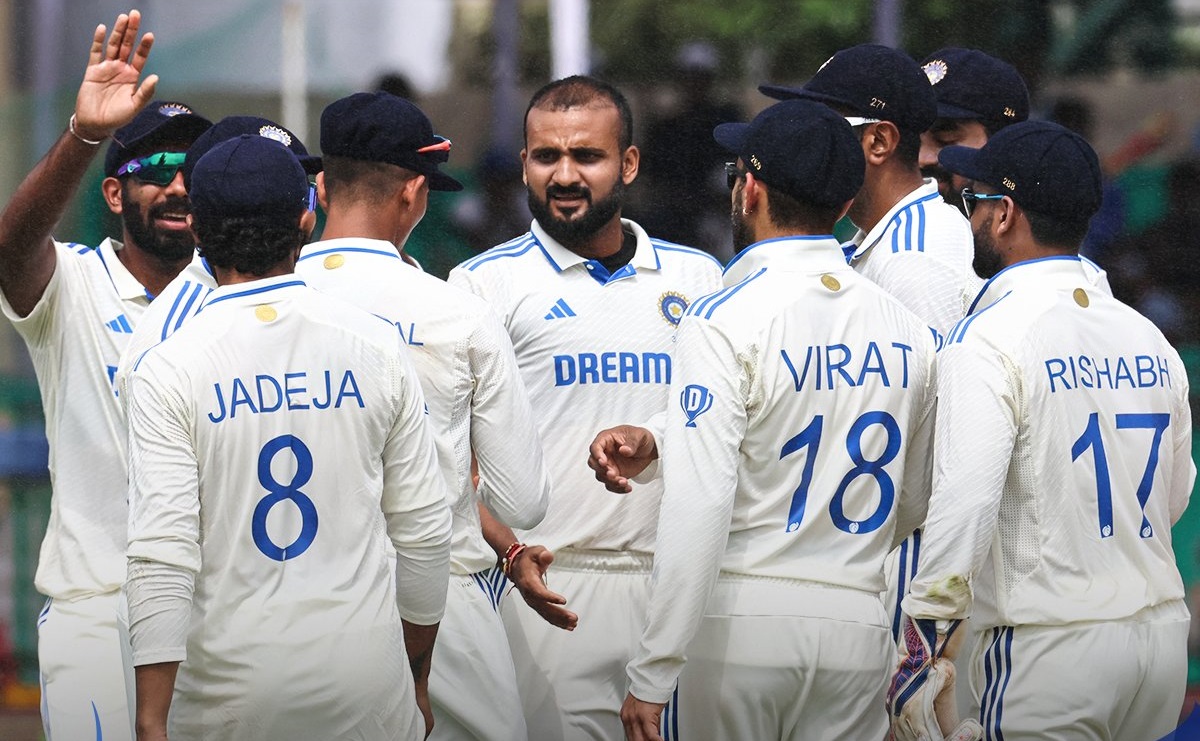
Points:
(920, 699)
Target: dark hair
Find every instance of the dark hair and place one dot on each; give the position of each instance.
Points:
(788, 212)
(251, 245)
(362, 180)
(1056, 231)
(580, 90)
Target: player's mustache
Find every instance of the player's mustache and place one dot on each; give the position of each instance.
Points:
(172, 205)
(569, 191)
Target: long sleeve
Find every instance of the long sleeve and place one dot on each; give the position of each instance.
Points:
(976, 425)
(164, 518)
(514, 483)
(1184, 472)
(414, 505)
(706, 421)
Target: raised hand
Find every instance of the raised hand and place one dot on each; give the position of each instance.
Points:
(112, 92)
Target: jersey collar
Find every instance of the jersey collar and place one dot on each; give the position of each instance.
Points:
(357, 245)
(864, 241)
(128, 287)
(817, 253)
(561, 258)
(254, 292)
(1056, 271)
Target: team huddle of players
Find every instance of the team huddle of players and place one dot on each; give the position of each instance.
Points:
(775, 445)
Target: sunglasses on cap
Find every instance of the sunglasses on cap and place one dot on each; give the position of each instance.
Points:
(969, 197)
(733, 173)
(158, 168)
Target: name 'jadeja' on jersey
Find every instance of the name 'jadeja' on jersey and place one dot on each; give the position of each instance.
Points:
(265, 393)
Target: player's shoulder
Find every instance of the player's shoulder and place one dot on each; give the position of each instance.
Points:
(673, 254)
(925, 225)
(508, 255)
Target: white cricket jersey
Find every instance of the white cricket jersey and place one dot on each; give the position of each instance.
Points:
(797, 437)
(469, 376)
(1062, 457)
(277, 441)
(595, 351)
(178, 302)
(921, 253)
(75, 335)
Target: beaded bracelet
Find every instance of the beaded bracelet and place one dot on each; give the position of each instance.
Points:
(74, 133)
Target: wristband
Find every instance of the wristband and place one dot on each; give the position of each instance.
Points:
(510, 557)
(74, 133)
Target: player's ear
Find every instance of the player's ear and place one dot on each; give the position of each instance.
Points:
(110, 188)
(308, 222)
(752, 193)
(524, 177)
(630, 160)
(880, 141)
(1006, 216)
(322, 196)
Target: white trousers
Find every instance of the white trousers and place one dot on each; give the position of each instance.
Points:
(1103, 681)
(472, 685)
(755, 675)
(86, 670)
(572, 683)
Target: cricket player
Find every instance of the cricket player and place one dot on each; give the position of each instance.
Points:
(909, 241)
(977, 95)
(796, 440)
(183, 296)
(278, 452)
(381, 160)
(591, 303)
(75, 306)
(1062, 457)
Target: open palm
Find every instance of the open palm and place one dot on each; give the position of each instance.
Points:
(111, 94)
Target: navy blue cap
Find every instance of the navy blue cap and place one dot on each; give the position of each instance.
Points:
(247, 176)
(381, 127)
(159, 121)
(234, 126)
(871, 81)
(1042, 166)
(802, 148)
(972, 85)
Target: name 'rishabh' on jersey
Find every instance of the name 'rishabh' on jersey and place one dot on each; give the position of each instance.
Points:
(1064, 416)
(595, 351)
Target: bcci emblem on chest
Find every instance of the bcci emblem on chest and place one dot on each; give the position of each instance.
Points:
(695, 400)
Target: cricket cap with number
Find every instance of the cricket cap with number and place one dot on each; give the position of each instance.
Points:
(1043, 167)
(870, 81)
(972, 85)
(802, 148)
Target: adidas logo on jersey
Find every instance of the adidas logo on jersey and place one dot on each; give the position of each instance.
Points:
(120, 325)
(560, 310)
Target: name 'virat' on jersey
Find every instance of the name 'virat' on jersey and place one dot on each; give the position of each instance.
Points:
(594, 349)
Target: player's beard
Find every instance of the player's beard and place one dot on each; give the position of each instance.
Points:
(743, 232)
(576, 230)
(169, 246)
(987, 260)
